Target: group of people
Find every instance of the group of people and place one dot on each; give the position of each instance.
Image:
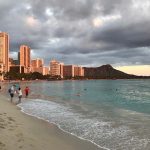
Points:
(13, 90)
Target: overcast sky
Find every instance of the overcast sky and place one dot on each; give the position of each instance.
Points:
(84, 32)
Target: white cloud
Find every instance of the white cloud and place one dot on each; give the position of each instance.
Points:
(49, 12)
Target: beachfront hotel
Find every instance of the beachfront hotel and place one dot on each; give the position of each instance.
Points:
(73, 71)
(78, 71)
(68, 71)
(4, 52)
(45, 70)
(56, 68)
(37, 65)
(24, 57)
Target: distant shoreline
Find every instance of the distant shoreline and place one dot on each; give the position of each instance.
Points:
(39, 80)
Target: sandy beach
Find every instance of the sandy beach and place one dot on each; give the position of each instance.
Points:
(19, 131)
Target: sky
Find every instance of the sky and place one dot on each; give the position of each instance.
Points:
(84, 32)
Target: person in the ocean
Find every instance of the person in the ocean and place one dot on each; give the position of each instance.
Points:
(19, 94)
(26, 90)
(78, 94)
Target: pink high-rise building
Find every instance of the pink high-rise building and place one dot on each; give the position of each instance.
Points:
(45, 70)
(36, 63)
(37, 66)
(62, 70)
(56, 68)
(78, 71)
(40, 70)
(25, 59)
(4, 52)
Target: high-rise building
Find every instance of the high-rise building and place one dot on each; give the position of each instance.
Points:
(37, 66)
(78, 71)
(45, 70)
(25, 59)
(68, 71)
(36, 63)
(62, 70)
(4, 53)
(56, 68)
(40, 70)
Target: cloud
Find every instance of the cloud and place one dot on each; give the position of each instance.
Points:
(92, 32)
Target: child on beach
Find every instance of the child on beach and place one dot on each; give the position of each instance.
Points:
(19, 95)
(26, 90)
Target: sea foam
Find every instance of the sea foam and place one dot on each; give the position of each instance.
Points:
(104, 134)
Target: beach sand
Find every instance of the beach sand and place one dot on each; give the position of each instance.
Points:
(19, 131)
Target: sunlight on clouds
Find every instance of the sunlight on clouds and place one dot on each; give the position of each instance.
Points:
(136, 70)
(99, 21)
(31, 21)
(111, 17)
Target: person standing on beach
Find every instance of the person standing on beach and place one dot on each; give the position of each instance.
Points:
(26, 90)
(19, 95)
(12, 92)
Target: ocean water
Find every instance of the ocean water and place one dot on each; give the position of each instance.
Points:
(113, 114)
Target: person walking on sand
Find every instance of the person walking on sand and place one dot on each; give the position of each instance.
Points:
(11, 92)
(26, 90)
(19, 95)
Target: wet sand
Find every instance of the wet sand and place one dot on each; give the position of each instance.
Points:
(19, 131)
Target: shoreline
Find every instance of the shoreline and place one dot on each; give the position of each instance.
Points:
(44, 134)
(86, 79)
(99, 147)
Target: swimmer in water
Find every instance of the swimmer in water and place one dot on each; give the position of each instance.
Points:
(78, 94)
